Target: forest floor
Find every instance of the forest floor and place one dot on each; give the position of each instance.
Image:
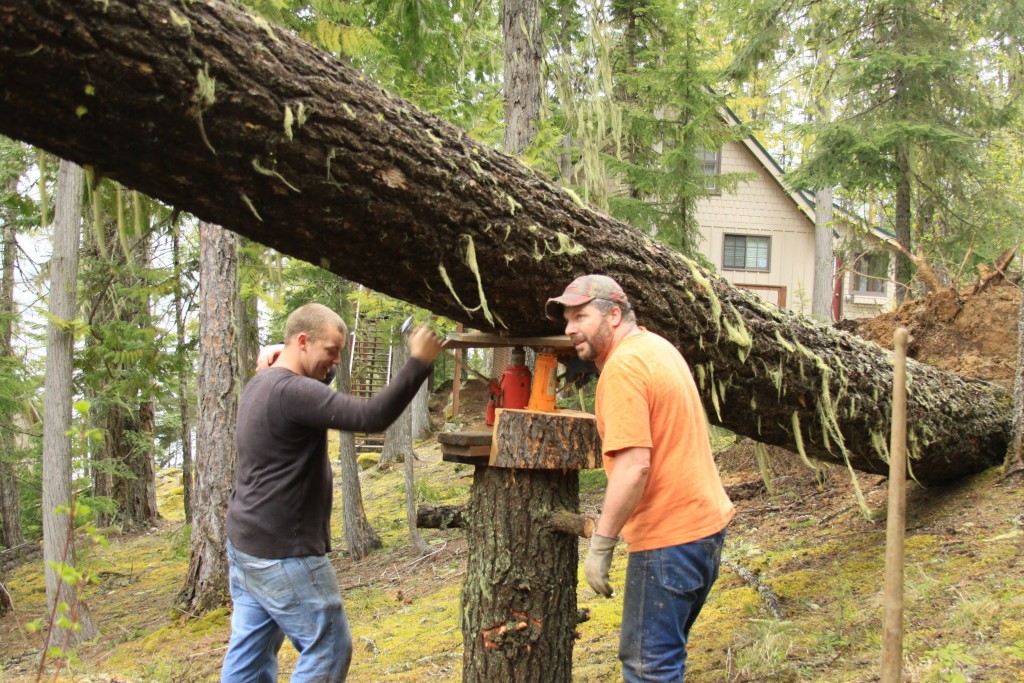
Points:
(801, 533)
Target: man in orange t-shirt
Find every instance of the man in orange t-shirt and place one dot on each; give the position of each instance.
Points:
(664, 494)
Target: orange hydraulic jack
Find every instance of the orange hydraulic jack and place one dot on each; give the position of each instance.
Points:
(513, 391)
(545, 382)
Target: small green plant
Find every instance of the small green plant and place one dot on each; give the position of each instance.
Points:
(181, 543)
(761, 652)
(426, 492)
(592, 480)
(947, 664)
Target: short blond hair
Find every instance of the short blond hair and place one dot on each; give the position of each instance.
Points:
(314, 320)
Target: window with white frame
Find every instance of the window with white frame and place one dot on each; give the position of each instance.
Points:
(711, 164)
(747, 252)
(870, 274)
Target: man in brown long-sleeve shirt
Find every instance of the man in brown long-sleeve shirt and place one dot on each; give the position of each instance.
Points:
(278, 520)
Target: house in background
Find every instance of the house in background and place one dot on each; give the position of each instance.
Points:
(761, 238)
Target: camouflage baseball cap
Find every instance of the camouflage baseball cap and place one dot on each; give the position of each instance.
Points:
(584, 289)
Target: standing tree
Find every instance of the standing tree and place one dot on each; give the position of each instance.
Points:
(119, 363)
(398, 436)
(181, 358)
(360, 537)
(58, 504)
(10, 495)
(524, 45)
(206, 585)
(422, 425)
(914, 103)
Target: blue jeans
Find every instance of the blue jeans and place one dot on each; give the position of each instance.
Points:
(294, 596)
(665, 591)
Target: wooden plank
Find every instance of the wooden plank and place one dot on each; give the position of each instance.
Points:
(560, 440)
(465, 459)
(477, 340)
(484, 450)
(466, 438)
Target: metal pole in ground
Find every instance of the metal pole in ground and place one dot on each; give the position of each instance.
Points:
(892, 620)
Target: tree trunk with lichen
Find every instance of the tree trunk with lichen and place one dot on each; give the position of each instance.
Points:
(210, 109)
(206, 584)
(519, 595)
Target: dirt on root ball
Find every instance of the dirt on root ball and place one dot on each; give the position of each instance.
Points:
(473, 398)
(972, 332)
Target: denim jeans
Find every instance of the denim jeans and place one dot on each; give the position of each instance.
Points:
(665, 591)
(294, 596)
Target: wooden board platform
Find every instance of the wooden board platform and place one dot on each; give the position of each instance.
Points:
(479, 340)
(469, 447)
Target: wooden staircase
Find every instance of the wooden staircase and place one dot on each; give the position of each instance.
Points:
(370, 367)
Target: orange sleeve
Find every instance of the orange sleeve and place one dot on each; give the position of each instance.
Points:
(625, 411)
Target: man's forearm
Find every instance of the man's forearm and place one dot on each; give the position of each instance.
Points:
(625, 489)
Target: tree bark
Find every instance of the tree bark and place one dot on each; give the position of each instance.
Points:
(58, 531)
(184, 390)
(422, 425)
(824, 257)
(206, 585)
(248, 338)
(904, 265)
(440, 517)
(537, 440)
(360, 536)
(519, 595)
(10, 492)
(397, 446)
(524, 43)
(241, 123)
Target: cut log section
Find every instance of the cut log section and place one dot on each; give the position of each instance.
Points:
(534, 440)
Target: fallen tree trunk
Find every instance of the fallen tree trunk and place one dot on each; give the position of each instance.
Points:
(440, 517)
(209, 108)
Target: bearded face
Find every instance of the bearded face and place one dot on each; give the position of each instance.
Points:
(590, 331)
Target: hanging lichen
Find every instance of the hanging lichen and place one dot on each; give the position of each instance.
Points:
(289, 120)
(248, 202)
(274, 174)
(783, 343)
(738, 334)
(566, 245)
(180, 21)
(471, 262)
(881, 445)
(799, 438)
(705, 283)
(122, 229)
(44, 198)
(264, 25)
(203, 98)
(761, 453)
(575, 198)
(513, 205)
(137, 213)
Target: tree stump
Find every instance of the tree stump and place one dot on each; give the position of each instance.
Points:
(519, 596)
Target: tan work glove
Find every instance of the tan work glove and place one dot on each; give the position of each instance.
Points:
(598, 562)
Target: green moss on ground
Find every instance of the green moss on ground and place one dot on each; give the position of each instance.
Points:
(808, 543)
